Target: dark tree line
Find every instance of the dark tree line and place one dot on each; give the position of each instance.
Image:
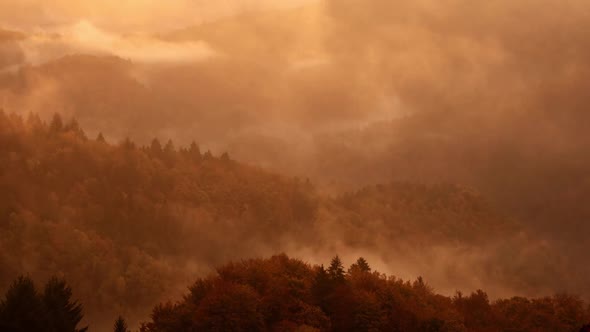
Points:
(284, 294)
(25, 309)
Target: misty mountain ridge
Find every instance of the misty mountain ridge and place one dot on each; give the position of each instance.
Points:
(136, 223)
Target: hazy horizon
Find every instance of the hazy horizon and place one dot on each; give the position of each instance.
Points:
(443, 139)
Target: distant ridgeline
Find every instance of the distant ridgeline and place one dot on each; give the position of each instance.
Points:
(129, 226)
(132, 223)
(285, 294)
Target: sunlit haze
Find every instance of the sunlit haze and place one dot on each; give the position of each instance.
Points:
(256, 149)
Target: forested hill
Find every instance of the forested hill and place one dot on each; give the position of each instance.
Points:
(284, 294)
(121, 221)
(128, 226)
(289, 295)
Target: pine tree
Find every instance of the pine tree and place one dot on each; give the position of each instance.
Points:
(74, 127)
(361, 265)
(128, 144)
(34, 122)
(194, 152)
(120, 325)
(321, 288)
(169, 147)
(100, 138)
(195, 149)
(336, 269)
(169, 153)
(208, 155)
(56, 124)
(64, 315)
(156, 147)
(22, 307)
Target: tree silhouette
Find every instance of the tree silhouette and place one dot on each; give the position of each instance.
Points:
(74, 127)
(156, 148)
(56, 124)
(22, 307)
(361, 265)
(64, 315)
(336, 269)
(34, 122)
(195, 150)
(120, 325)
(128, 144)
(100, 138)
(207, 155)
(225, 157)
(169, 147)
(321, 288)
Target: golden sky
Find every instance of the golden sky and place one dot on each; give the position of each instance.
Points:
(128, 15)
(123, 28)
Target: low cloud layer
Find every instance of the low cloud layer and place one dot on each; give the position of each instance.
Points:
(85, 38)
(128, 16)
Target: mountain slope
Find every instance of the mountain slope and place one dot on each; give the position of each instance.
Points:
(135, 222)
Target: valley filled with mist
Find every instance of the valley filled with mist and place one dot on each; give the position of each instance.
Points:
(146, 145)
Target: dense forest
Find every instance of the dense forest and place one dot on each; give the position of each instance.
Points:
(286, 294)
(131, 225)
(122, 221)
